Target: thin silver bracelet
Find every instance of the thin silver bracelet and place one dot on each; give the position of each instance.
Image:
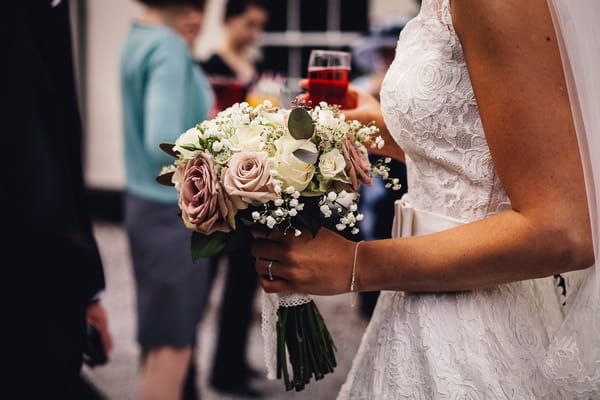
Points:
(353, 278)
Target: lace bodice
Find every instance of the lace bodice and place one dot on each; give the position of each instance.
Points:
(430, 109)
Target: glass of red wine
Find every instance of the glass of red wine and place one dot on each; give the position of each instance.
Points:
(328, 72)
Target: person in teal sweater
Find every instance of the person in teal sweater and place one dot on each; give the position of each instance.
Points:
(164, 93)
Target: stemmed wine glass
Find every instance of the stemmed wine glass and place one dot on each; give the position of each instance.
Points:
(328, 72)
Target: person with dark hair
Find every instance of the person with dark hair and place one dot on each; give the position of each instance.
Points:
(232, 70)
(52, 274)
(164, 93)
(236, 65)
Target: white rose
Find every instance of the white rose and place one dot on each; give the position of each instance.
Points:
(288, 167)
(247, 138)
(331, 163)
(278, 118)
(188, 138)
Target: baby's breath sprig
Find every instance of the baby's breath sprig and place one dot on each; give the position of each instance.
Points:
(281, 211)
(346, 209)
(382, 169)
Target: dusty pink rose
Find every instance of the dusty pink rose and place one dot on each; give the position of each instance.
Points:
(248, 179)
(204, 206)
(357, 165)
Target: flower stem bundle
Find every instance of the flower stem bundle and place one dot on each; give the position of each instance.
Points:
(302, 333)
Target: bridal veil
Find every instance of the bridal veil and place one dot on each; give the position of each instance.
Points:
(573, 360)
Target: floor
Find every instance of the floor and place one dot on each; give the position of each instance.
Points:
(117, 380)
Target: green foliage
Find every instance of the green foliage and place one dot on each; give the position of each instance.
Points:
(300, 124)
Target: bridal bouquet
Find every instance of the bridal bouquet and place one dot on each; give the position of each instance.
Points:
(268, 168)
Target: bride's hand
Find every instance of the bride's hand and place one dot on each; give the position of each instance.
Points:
(357, 104)
(321, 265)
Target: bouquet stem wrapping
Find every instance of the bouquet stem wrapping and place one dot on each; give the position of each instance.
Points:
(294, 324)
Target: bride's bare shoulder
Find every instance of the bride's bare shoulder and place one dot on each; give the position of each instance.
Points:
(501, 25)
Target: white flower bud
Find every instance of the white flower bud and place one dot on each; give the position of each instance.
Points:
(255, 215)
(278, 212)
(297, 232)
(217, 146)
(270, 222)
(331, 196)
(293, 212)
(340, 227)
(360, 217)
(294, 203)
(278, 202)
(355, 231)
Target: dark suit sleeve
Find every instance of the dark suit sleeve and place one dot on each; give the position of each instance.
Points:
(51, 266)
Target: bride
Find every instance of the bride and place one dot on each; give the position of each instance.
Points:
(476, 104)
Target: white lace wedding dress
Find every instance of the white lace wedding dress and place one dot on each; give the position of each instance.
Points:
(480, 344)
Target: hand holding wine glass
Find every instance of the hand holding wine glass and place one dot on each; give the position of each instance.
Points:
(328, 72)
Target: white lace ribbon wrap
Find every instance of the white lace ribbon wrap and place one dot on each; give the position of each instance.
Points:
(271, 302)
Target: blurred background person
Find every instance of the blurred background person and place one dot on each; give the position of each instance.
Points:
(372, 54)
(164, 93)
(233, 69)
(52, 290)
(237, 63)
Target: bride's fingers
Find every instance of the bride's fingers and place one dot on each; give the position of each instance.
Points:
(276, 286)
(270, 269)
(266, 249)
(272, 235)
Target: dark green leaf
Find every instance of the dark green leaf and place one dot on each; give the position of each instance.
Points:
(310, 217)
(300, 124)
(168, 148)
(207, 245)
(237, 239)
(165, 179)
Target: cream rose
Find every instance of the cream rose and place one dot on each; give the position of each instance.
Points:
(290, 169)
(357, 166)
(204, 206)
(331, 163)
(248, 179)
(191, 137)
(247, 138)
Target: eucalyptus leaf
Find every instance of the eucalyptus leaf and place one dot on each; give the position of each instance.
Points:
(165, 179)
(168, 148)
(306, 156)
(300, 124)
(207, 245)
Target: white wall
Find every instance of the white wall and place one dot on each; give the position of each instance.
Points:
(389, 11)
(108, 22)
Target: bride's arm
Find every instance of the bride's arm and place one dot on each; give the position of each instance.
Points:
(517, 76)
